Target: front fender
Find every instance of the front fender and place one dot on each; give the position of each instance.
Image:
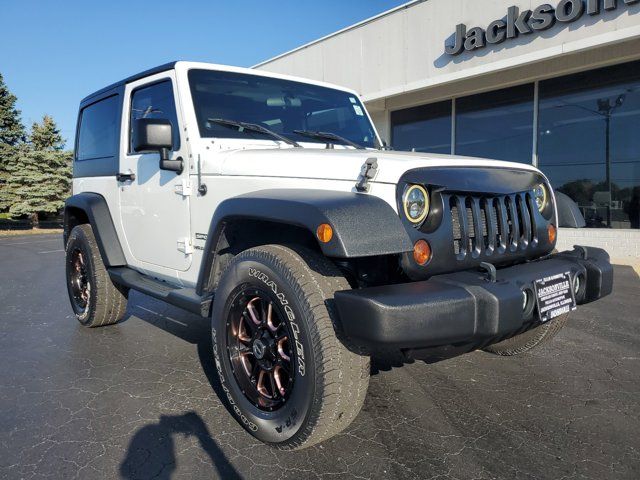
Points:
(363, 225)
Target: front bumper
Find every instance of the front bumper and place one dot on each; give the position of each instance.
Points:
(464, 307)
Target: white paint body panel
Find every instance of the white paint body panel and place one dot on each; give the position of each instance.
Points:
(150, 217)
(153, 215)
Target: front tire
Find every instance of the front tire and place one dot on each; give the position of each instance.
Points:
(95, 299)
(530, 339)
(286, 376)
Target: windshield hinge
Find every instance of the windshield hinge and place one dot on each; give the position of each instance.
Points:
(184, 246)
(184, 187)
(367, 172)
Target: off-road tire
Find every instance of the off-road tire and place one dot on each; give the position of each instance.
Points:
(329, 392)
(107, 302)
(530, 339)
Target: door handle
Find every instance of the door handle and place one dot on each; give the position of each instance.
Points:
(123, 177)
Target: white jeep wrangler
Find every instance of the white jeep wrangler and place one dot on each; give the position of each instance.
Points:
(269, 204)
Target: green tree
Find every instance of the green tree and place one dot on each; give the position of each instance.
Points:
(11, 135)
(40, 173)
(40, 181)
(46, 135)
(7, 157)
(11, 128)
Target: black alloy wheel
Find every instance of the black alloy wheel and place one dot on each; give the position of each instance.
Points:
(79, 281)
(95, 299)
(260, 349)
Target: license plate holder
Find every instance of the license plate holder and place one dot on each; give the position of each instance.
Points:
(554, 296)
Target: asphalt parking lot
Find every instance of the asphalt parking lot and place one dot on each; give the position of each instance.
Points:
(138, 399)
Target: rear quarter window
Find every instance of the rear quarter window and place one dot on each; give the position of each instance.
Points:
(99, 128)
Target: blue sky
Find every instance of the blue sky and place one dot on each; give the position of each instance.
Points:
(54, 53)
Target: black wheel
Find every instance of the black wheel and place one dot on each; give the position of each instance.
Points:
(530, 339)
(95, 299)
(260, 342)
(287, 377)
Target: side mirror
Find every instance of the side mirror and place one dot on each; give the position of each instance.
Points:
(155, 135)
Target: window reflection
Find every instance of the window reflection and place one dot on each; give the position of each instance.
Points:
(588, 136)
(155, 101)
(496, 124)
(588, 143)
(424, 129)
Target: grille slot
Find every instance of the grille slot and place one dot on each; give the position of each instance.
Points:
(484, 225)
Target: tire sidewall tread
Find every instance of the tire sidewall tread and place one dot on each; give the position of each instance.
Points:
(337, 376)
(107, 301)
(530, 339)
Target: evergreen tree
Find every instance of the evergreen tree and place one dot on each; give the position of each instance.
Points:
(39, 174)
(7, 157)
(11, 134)
(11, 128)
(40, 181)
(46, 135)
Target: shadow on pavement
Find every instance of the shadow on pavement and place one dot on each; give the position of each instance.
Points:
(151, 452)
(194, 330)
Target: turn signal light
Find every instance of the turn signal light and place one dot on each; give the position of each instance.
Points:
(324, 232)
(553, 233)
(422, 252)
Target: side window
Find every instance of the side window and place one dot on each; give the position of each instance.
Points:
(99, 129)
(155, 101)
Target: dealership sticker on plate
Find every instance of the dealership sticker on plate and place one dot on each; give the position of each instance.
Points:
(554, 296)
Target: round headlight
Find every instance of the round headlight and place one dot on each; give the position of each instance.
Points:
(416, 203)
(540, 196)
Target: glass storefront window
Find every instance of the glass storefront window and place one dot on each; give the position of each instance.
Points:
(588, 142)
(497, 124)
(424, 129)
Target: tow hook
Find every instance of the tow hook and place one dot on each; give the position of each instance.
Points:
(491, 271)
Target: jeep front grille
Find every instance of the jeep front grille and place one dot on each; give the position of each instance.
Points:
(484, 225)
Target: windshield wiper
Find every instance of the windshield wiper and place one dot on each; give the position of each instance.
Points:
(254, 127)
(328, 136)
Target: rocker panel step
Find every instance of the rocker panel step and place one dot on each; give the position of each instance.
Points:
(182, 297)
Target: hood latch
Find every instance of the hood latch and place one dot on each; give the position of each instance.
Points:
(367, 172)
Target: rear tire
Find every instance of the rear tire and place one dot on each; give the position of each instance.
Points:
(95, 299)
(293, 290)
(530, 339)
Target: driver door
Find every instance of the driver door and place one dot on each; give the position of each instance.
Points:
(154, 206)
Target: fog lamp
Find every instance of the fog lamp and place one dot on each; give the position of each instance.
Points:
(577, 284)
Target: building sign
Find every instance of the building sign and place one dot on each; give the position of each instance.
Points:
(526, 22)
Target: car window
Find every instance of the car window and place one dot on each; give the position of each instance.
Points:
(98, 133)
(283, 106)
(155, 101)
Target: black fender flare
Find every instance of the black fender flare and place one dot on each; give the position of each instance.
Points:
(363, 225)
(97, 213)
(569, 215)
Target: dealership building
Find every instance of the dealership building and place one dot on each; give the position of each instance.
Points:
(556, 85)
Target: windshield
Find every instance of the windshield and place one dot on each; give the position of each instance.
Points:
(282, 106)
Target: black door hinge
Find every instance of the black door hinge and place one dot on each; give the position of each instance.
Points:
(367, 172)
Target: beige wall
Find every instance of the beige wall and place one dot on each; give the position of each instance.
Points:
(403, 51)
